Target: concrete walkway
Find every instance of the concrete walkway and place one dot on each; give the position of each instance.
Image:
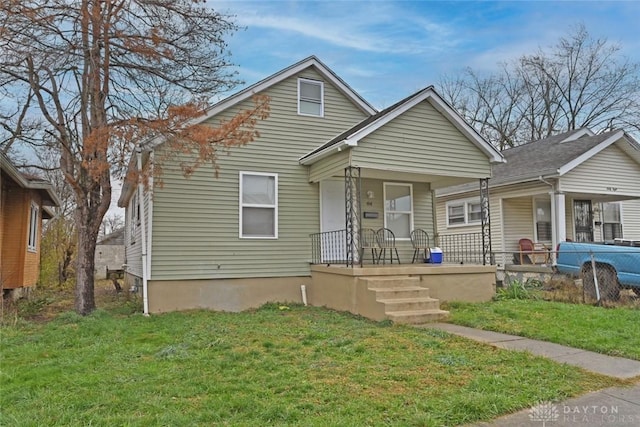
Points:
(617, 406)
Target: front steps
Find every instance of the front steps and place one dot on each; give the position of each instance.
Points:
(403, 300)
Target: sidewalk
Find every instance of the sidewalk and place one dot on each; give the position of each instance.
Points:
(617, 406)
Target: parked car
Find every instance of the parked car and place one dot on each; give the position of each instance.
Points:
(617, 266)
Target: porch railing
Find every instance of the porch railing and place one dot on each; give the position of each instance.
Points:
(329, 247)
(463, 248)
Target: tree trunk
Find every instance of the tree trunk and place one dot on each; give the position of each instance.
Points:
(85, 301)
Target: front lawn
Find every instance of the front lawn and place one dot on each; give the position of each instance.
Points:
(275, 366)
(613, 331)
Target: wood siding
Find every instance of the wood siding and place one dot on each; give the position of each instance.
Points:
(610, 172)
(421, 141)
(196, 220)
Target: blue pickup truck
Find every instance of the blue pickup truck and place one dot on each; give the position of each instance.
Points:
(617, 266)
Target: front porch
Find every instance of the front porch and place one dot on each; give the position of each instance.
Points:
(405, 293)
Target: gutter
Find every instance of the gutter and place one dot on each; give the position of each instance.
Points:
(145, 290)
(345, 143)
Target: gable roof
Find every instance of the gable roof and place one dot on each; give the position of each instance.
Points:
(352, 136)
(554, 156)
(114, 238)
(49, 197)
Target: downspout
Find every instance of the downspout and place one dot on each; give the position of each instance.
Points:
(145, 291)
(554, 225)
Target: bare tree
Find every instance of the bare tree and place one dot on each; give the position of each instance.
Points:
(99, 77)
(579, 82)
(111, 223)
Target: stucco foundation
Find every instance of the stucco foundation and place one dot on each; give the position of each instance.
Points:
(339, 288)
(223, 294)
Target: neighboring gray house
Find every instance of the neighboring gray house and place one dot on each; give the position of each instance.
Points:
(326, 163)
(109, 253)
(576, 185)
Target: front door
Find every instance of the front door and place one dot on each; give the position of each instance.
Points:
(583, 218)
(333, 221)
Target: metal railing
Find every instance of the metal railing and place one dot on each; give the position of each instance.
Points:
(461, 248)
(329, 247)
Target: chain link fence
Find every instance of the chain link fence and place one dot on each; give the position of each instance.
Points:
(604, 275)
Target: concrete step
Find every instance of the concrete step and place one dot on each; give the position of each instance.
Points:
(410, 304)
(404, 292)
(416, 317)
(391, 281)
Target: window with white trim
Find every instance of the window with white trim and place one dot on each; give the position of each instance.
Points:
(310, 98)
(398, 209)
(611, 221)
(543, 220)
(463, 212)
(32, 238)
(258, 205)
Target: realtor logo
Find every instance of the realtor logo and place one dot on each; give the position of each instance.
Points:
(544, 412)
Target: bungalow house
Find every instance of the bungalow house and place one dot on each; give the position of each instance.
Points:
(283, 220)
(24, 202)
(572, 186)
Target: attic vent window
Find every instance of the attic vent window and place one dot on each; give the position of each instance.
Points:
(310, 98)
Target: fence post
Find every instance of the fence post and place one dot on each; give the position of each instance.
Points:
(595, 276)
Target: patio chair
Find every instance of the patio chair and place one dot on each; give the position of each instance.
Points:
(532, 252)
(386, 240)
(420, 242)
(368, 240)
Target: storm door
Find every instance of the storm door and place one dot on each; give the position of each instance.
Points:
(583, 219)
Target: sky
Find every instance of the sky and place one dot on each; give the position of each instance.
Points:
(387, 50)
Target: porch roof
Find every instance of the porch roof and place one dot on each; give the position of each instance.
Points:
(352, 136)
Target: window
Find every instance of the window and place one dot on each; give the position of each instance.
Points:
(543, 220)
(611, 223)
(32, 239)
(398, 209)
(310, 98)
(258, 205)
(464, 212)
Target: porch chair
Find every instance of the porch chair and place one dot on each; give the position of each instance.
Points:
(532, 251)
(420, 242)
(386, 240)
(368, 240)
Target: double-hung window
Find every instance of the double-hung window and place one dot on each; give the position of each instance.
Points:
(258, 205)
(32, 238)
(310, 98)
(611, 222)
(398, 209)
(464, 212)
(543, 220)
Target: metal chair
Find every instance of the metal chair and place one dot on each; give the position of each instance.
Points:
(368, 241)
(386, 240)
(420, 242)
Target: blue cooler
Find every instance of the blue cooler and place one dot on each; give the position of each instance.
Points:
(436, 256)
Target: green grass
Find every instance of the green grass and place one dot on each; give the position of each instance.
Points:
(613, 331)
(292, 366)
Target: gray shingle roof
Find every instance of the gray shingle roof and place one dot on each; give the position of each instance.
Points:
(544, 157)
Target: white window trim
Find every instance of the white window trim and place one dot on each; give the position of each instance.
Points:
(620, 208)
(465, 203)
(315, 82)
(133, 223)
(32, 236)
(254, 205)
(384, 204)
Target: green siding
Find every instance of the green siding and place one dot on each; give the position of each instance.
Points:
(421, 141)
(333, 165)
(195, 221)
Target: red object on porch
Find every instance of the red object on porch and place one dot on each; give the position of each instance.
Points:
(532, 251)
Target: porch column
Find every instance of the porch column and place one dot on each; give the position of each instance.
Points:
(352, 217)
(560, 219)
(485, 219)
